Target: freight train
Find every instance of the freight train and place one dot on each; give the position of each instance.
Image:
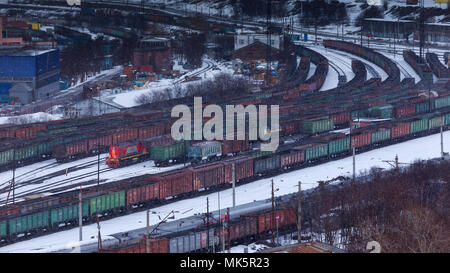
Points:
(44, 214)
(296, 104)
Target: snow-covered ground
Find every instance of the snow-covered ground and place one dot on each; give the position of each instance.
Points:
(422, 148)
(206, 71)
(29, 118)
(89, 173)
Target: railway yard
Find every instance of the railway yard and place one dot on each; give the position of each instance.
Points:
(338, 99)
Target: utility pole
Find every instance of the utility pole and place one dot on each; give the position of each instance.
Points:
(147, 232)
(80, 214)
(361, 32)
(354, 162)
(234, 183)
(421, 29)
(96, 203)
(223, 227)
(14, 174)
(273, 215)
(396, 162)
(228, 229)
(299, 212)
(269, 49)
(98, 165)
(207, 221)
(442, 137)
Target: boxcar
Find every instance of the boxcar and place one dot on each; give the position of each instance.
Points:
(143, 193)
(238, 230)
(66, 151)
(337, 143)
(29, 223)
(67, 213)
(314, 151)
(243, 168)
(291, 158)
(417, 126)
(205, 150)
(164, 153)
(268, 164)
(361, 138)
(447, 119)
(422, 106)
(107, 202)
(123, 136)
(3, 229)
(434, 122)
(401, 111)
(316, 126)
(234, 146)
(156, 245)
(399, 129)
(285, 217)
(206, 176)
(380, 135)
(442, 102)
(173, 183)
(186, 242)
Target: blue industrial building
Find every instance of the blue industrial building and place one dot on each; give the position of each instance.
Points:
(28, 75)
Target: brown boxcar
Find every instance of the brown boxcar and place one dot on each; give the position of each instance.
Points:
(157, 245)
(99, 140)
(286, 217)
(244, 227)
(28, 131)
(173, 182)
(292, 158)
(360, 138)
(404, 110)
(208, 175)
(9, 210)
(400, 129)
(243, 167)
(142, 194)
(125, 135)
(154, 130)
(234, 146)
(290, 127)
(7, 131)
(340, 118)
(68, 150)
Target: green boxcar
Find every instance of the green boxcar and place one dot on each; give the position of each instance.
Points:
(338, 145)
(447, 119)
(316, 151)
(442, 102)
(26, 152)
(262, 165)
(434, 122)
(107, 202)
(3, 229)
(29, 222)
(163, 153)
(316, 126)
(381, 135)
(6, 157)
(418, 126)
(68, 213)
(384, 111)
(422, 107)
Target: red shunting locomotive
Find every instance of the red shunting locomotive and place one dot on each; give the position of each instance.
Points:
(126, 154)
